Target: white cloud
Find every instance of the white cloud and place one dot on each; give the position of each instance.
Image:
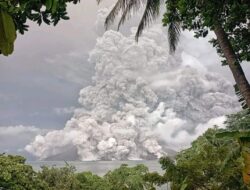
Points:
(65, 110)
(138, 90)
(17, 130)
(14, 138)
(176, 137)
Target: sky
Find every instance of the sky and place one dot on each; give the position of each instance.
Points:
(41, 81)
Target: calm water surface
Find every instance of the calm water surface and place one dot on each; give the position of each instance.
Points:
(98, 167)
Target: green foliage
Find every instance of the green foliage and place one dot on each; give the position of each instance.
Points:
(126, 178)
(15, 14)
(238, 121)
(89, 181)
(211, 163)
(205, 165)
(47, 11)
(201, 17)
(16, 175)
(59, 178)
(7, 33)
(155, 179)
(123, 178)
(238, 127)
(197, 15)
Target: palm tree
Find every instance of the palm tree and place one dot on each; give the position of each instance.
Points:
(233, 63)
(151, 12)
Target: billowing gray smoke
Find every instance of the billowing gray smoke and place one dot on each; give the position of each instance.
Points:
(143, 101)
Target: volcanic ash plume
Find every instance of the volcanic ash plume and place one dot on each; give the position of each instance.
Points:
(142, 102)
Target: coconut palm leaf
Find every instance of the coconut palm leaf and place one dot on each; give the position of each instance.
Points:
(126, 6)
(132, 6)
(120, 5)
(173, 35)
(240, 97)
(151, 12)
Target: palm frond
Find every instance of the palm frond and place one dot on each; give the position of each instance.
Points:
(98, 1)
(120, 5)
(240, 97)
(132, 6)
(151, 12)
(173, 35)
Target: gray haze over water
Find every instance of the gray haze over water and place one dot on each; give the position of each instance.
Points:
(97, 167)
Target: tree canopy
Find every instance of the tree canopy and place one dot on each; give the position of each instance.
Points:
(15, 14)
(211, 163)
(127, 178)
(16, 175)
(204, 165)
(202, 17)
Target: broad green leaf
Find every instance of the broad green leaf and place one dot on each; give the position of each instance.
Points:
(48, 4)
(184, 186)
(54, 6)
(7, 33)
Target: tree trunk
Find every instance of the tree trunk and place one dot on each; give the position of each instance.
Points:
(234, 66)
